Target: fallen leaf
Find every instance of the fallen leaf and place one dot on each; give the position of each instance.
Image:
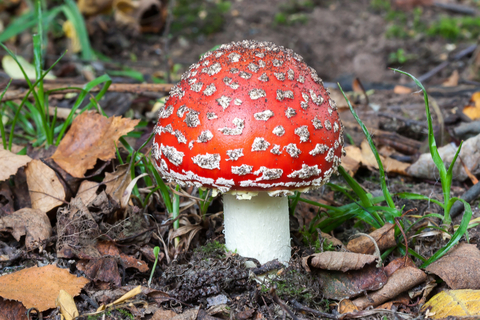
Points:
(400, 281)
(12, 310)
(77, 231)
(345, 285)
(338, 261)
(103, 269)
(163, 314)
(384, 237)
(67, 306)
(108, 248)
(389, 164)
(6, 199)
(140, 15)
(94, 7)
(117, 182)
(127, 296)
(452, 81)
(345, 306)
(71, 33)
(46, 190)
(91, 137)
(473, 109)
(11, 162)
(453, 303)
(398, 263)
(31, 223)
(11, 68)
(42, 292)
(402, 90)
(87, 191)
(351, 161)
(460, 268)
(424, 167)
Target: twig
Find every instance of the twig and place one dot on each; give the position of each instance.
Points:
(457, 8)
(444, 64)
(282, 304)
(468, 196)
(138, 88)
(298, 306)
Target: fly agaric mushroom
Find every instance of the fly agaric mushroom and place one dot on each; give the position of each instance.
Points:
(254, 122)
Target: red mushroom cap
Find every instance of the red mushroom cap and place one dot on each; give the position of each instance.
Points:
(249, 116)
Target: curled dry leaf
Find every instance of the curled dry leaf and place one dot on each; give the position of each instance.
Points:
(339, 285)
(67, 306)
(398, 263)
(384, 237)
(455, 304)
(117, 183)
(339, 261)
(141, 15)
(31, 223)
(102, 269)
(39, 287)
(45, 189)
(91, 137)
(460, 268)
(401, 280)
(424, 167)
(108, 248)
(87, 191)
(12, 310)
(11, 162)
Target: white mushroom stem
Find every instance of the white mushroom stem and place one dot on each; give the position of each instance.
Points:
(258, 228)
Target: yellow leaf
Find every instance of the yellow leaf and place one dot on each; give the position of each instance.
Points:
(454, 303)
(67, 305)
(13, 70)
(71, 34)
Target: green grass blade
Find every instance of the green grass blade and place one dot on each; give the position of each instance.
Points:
(462, 229)
(73, 14)
(416, 196)
(383, 182)
(357, 188)
(86, 89)
(2, 127)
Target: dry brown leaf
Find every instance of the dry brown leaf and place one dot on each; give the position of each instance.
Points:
(94, 7)
(140, 15)
(31, 223)
(473, 109)
(91, 137)
(384, 237)
(398, 263)
(339, 261)
(117, 182)
(352, 160)
(46, 190)
(452, 81)
(161, 314)
(12, 310)
(460, 268)
(67, 306)
(87, 191)
(339, 285)
(103, 269)
(455, 304)
(108, 248)
(400, 281)
(389, 164)
(11, 162)
(43, 291)
(402, 90)
(345, 306)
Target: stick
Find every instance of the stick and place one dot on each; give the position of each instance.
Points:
(468, 196)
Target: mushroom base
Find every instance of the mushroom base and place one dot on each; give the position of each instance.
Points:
(258, 228)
